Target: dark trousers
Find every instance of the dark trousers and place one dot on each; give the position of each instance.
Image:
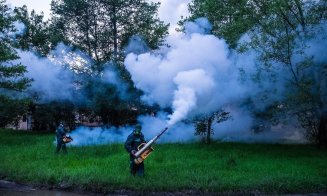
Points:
(61, 145)
(136, 169)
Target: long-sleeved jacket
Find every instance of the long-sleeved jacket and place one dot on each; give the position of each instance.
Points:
(60, 132)
(133, 141)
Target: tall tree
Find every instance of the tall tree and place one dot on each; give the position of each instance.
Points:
(230, 18)
(279, 31)
(11, 74)
(283, 30)
(102, 27)
(203, 124)
(38, 35)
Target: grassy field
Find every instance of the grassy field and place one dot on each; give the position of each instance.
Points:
(220, 167)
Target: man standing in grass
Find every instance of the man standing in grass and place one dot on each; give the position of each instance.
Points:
(133, 141)
(60, 133)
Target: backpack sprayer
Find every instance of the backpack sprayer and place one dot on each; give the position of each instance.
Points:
(145, 149)
(66, 139)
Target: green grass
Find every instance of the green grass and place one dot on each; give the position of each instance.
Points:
(219, 167)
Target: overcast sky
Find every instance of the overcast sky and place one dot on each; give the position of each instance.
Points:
(170, 11)
(37, 5)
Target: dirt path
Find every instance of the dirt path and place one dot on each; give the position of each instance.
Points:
(12, 188)
(6, 185)
(8, 188)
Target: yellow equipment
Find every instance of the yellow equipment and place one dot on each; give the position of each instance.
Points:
(145, 149)
(67, 139)
(144, 155)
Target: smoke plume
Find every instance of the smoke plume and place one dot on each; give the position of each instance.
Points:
(194, 76)
(197, 74)
(50, 81)
(151, 126)
(53, 76)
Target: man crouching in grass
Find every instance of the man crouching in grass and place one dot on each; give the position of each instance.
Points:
(133, 141)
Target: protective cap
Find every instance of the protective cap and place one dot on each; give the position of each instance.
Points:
(137, 129)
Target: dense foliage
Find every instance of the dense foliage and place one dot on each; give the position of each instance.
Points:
(280, 33)
(103, 28)
(11, 74)
(100, 29)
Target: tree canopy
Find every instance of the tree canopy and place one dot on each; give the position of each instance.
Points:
(11, 74)
(280, 32)
(102, 28)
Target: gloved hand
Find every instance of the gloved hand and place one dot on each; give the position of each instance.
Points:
(133, 152)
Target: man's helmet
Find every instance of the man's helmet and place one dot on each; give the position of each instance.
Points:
(137, 130)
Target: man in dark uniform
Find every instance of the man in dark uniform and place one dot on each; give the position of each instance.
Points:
(133, 141)
(60, 133)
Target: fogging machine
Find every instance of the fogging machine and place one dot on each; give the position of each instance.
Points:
(145, 149)
(66, 139)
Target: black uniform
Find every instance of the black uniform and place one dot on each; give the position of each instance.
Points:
(60, 133)
(133, 141)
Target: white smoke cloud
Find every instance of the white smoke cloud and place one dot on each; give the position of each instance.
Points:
(200, 25)
(54, 76)
(110, 76)
(151, 126)
(188, 89)
(18, 29)
(240, 129)
(316, 49)
(85, 136)
(51, 81)
(197, 74)
(137, 45)
(193, 77)
(58, 76)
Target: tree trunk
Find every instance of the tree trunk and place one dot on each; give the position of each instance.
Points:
(208, 140)
(114, 21)
(322, 132)
(88, 38)
(300, 11)
(95, 32)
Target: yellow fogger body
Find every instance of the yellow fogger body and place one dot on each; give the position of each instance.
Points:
(144, 155)
(145, 149)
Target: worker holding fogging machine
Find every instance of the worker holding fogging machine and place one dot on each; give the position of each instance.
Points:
(62, 138)
(139, 150)
(134, 140)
